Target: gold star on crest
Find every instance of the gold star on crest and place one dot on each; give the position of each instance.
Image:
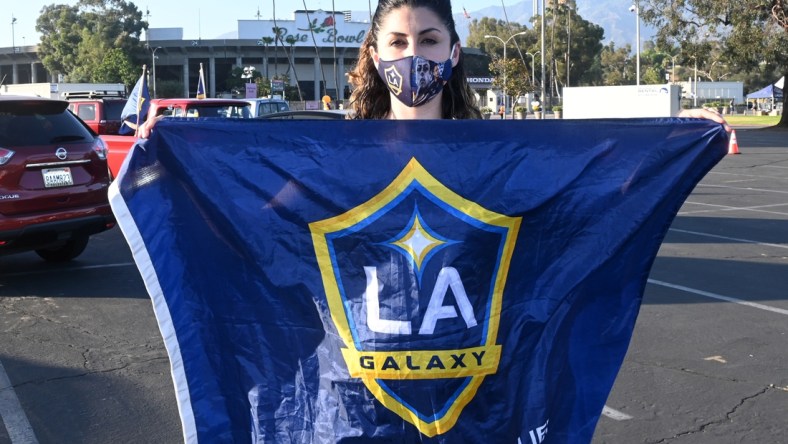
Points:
(417, 242)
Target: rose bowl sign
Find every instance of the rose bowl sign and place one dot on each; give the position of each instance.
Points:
(328, 29)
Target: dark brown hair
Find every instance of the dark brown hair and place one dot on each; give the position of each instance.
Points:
(370, 98)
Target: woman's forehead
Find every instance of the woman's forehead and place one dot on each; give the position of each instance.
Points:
(411, 21)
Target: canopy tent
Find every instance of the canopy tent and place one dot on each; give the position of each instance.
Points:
(767, 99)
(770, 92)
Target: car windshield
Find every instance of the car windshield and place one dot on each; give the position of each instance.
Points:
(30, 127)
(113, 109)
(229, 111)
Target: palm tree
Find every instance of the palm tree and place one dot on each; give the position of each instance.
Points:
(266, 41)
(290, 58)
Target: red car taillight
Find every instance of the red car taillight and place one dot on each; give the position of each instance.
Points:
(100, 148)
(6, 155)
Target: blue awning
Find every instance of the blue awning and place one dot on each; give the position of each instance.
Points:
(770, 92)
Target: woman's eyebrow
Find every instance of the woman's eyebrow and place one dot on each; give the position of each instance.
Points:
(404, 34)
(430, 30)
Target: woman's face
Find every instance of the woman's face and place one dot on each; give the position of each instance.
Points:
(409, 31)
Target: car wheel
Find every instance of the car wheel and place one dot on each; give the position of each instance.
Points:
(71, 249)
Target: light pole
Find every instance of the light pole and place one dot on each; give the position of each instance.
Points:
(569, 5)
(542, 58)
(533, 67)
(504, 61)
(13, 32)
(153, 56)
(636, 9)
(695, 103)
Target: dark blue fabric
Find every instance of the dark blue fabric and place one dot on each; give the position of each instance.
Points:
(224, 211)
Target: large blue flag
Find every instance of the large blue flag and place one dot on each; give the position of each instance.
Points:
(135, 111)
(402, 281)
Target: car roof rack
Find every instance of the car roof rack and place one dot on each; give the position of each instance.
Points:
(93, 94)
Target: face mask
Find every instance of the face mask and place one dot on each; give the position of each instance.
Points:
(413, 79)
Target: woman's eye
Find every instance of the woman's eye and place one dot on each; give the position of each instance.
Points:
(428, 41)
(398, 43)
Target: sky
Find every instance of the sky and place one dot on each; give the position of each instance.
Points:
(205, 19)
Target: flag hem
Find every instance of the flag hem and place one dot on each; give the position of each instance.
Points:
(160, 308)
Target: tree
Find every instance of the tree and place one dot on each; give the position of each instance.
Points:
(753, 34)
(263, 86)
(76, 40)
(115, 67)
(518, 81)
(516, 67)
(60, 36)
(617, 65)
(499, 28)
(573, 43)
(266, 43)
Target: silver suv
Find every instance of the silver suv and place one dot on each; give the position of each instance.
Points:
(261, 107)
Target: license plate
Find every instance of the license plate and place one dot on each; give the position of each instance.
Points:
(57, 177)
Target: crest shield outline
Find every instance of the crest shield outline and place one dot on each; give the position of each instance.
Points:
(394, 79)
(485, 356)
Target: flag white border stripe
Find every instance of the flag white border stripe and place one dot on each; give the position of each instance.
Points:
(160, 307)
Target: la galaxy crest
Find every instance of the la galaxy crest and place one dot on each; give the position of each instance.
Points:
(394, 79)
(414, 280)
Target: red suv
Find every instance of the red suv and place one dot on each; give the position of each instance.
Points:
(100, 110)
(53, 179)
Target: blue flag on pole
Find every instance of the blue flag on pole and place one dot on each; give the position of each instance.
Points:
(136, 109)
(402, 281)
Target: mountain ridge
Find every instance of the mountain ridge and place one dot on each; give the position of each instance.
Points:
(613, 16)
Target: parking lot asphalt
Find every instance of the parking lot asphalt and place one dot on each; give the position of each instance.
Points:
(708, 362)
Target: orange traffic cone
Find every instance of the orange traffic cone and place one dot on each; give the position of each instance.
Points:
(733, 146)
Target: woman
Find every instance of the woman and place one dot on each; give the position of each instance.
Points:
(403, 34)
(391, 80)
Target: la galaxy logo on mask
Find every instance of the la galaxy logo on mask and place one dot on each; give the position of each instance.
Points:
(414, 280)
(393, 79)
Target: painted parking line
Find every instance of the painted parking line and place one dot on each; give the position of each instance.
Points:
(615, 414)
(733, 239)
(755, 176)
(743, 188)
(86, 267)
(14, 418)
(756, 208)
(720, 297)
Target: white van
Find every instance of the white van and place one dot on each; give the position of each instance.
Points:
(261, 107)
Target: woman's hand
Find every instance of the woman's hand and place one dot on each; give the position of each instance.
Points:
(147, 127)
(705, 113)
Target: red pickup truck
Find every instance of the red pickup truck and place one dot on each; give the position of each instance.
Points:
(118, 146)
